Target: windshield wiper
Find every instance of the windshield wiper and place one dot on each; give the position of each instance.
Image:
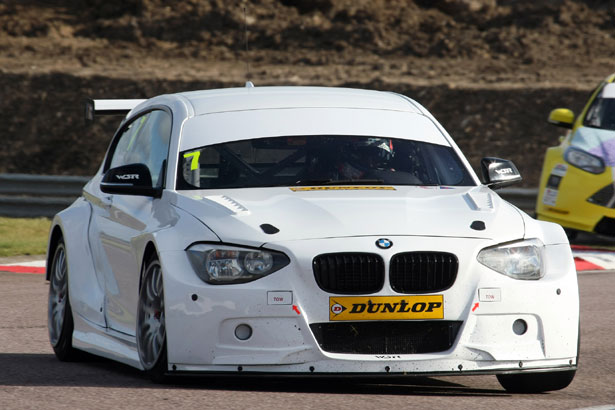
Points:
(340, 182)
(312, 181)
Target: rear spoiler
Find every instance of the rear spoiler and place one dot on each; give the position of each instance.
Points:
(109, 107)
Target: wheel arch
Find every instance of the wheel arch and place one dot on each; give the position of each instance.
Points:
(86, 284)
(55, 236)
(149, 251)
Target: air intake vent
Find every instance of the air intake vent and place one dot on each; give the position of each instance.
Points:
(386, 337)
(349, 273)
(422, 272)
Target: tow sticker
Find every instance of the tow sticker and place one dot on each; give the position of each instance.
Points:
(386, 307)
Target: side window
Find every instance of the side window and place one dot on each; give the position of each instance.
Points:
(593, 116)
(145, 141)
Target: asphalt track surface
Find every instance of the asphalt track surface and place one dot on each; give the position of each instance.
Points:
(32, 378)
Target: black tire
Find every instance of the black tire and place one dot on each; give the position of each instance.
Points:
(536, 382)
(151, 329)
(571, 234)
(59, 313)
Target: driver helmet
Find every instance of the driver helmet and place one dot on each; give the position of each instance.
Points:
(375, 152)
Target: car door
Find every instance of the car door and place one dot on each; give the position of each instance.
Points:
(118, 221)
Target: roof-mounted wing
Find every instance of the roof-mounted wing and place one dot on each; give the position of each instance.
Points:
(109, 107)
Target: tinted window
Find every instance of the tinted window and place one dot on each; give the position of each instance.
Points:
(601, 114)
(320, 159)
(146, 141)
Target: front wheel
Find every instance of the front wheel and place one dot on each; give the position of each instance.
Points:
(571, 234)
(151, 330)
(59, 314)
(536, 382)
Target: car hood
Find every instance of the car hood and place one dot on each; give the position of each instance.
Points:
(237, 215)
(596, 141)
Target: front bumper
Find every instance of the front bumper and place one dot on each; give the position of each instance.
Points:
(202, 319)
(564, 193)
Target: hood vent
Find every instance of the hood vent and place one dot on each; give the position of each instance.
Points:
(479, 201)
(229, 203)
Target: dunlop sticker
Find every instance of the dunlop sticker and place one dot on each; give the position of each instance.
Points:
(344, 188)
(386, 307)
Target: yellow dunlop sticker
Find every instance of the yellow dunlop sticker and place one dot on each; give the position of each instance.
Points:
(386, 307)
(344, 188)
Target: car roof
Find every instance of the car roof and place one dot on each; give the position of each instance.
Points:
(257, 98)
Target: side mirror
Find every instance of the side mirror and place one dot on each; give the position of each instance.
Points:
(562, 117)
(131, 179)
(498, 173)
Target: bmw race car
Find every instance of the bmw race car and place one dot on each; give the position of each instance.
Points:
(577, 182)
(307, 230)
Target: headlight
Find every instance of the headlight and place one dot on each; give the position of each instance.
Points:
(584, 160)
(519, 260)
(219, 265)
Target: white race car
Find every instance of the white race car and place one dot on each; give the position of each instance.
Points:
(307, 230)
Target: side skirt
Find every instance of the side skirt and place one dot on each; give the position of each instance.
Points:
(106, 343)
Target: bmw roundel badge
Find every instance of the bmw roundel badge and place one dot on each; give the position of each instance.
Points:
(384, 243)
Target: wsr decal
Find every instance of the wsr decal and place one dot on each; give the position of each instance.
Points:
(127, 176)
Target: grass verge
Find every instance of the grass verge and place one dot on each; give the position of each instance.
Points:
(23, 236)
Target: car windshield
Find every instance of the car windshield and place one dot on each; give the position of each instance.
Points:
(320, 160)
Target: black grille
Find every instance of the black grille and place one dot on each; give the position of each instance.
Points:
(349, 273)
(419, 272)
(386, 337)
(603, 197)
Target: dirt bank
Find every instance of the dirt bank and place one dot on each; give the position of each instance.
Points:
(490, 70)
(48, 130)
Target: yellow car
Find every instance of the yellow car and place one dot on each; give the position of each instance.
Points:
(577, 182)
